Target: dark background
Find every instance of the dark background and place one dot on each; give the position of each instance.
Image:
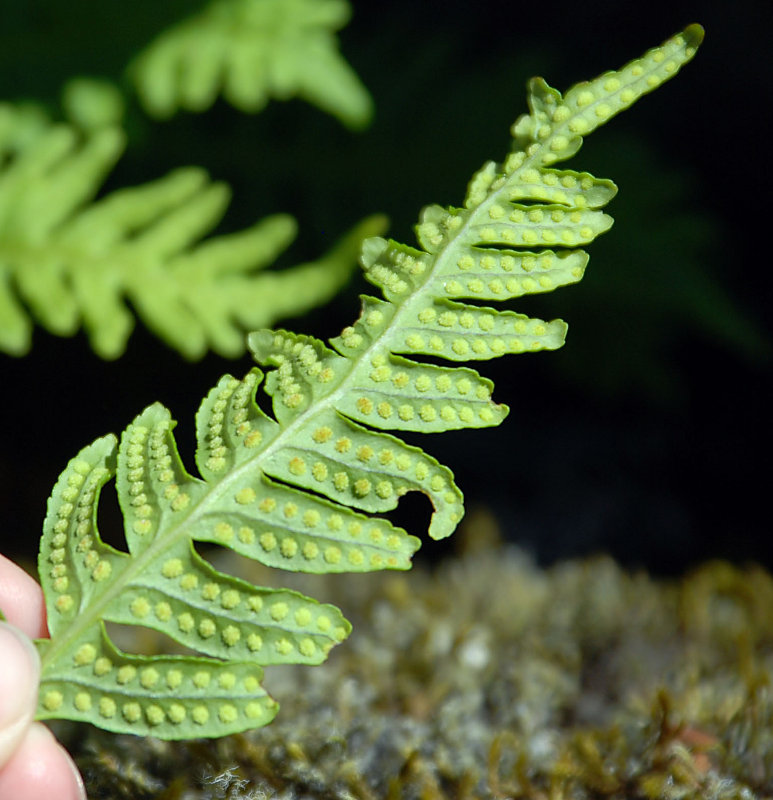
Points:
(648, 435)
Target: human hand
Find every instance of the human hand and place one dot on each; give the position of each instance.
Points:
(33, 765)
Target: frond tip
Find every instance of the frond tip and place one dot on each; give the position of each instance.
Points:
(297, 489)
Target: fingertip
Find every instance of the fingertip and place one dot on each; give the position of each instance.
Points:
(19, 679)
(21, 599)
(41, 769)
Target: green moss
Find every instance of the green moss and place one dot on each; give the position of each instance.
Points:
(492, 678)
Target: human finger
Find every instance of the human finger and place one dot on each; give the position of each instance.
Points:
(40, 769)
(19, 679)
(21, 600)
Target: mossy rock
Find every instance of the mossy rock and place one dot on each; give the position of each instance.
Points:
(492, 678)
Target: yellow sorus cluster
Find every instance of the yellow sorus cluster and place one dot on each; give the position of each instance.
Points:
(371, 321)
(568, 188)
(397, 268)
(509, 262)
(242, 606)
(553, 270)
(136, 455)
(588, 105)
(407, 260)
(72, 531)
(344, 556)
(232, 407)
(512, 287)
(289, 387)
(536, 228)
(215, 432)
(438, 224)
(149, 459)
(466, 319)
(156, 712)
(388, 279)
(445, 381)
(488, 321)
(374, 318)
(351, 338)
(301, 542)
(434, 410)
(240, 412)
(295, 359)
(409, 468)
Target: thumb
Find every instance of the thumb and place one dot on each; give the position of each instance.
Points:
(19, 678)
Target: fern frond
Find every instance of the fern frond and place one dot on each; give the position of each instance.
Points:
(253, 50)
(296, 489)
(75, 262)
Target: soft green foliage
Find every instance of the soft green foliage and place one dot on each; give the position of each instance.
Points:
(73, 262)
(294, 491)
(253, 50)
(91, 104)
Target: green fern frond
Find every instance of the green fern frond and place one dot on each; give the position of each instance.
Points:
(75, 262)
(296, 490)
(253, 50)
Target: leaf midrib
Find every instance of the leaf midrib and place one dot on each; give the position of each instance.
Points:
(136, 565)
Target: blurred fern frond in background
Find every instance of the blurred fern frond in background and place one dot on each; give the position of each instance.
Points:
(67, 260)
(251, 51)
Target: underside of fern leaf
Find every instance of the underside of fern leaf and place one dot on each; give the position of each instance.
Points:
(70, 262)
(251, 51)
(297, 490)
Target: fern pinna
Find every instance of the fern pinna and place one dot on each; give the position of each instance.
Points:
(296, 491)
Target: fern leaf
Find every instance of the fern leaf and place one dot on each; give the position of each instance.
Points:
(74, 262)
(253, 50)
(296, 489)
